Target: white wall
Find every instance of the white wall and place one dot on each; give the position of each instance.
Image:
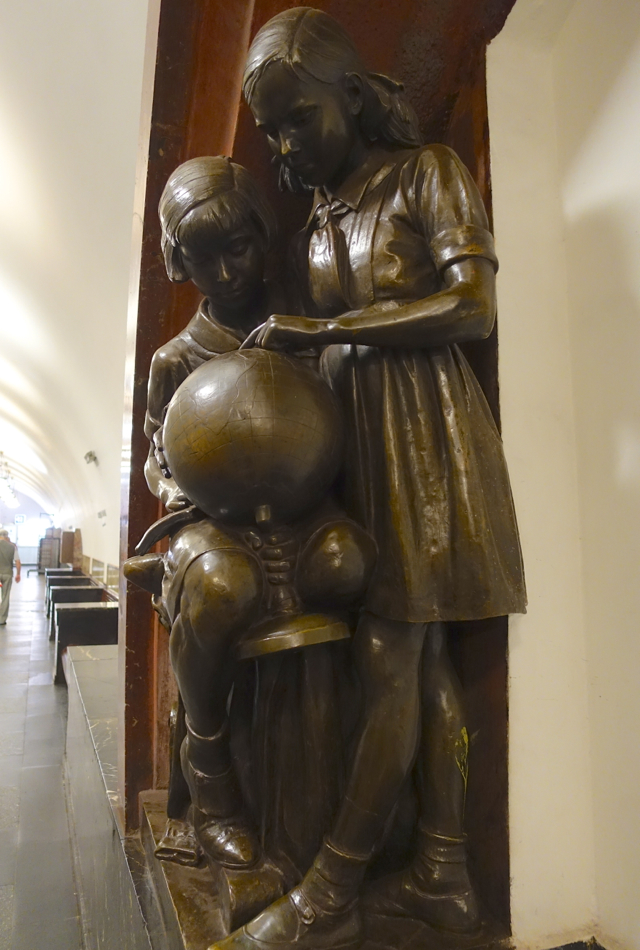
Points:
(70, 85)
(564, 101)
(597, 84)
(552, 861)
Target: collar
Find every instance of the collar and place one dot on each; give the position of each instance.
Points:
(220, 338)
(209, 333)
(363, 179)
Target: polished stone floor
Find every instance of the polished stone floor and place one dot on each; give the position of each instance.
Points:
(38, 905)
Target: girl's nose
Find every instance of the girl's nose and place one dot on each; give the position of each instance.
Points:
(224, 273)
(288, 145)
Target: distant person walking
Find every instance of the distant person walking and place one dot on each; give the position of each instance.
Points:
(8, 555)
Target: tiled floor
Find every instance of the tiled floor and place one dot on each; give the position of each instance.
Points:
(38, 906)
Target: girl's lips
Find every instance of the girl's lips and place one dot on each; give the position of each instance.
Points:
(300, 168)
(226, 291)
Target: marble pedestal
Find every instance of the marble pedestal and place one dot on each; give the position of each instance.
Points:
(86, 624)
(117, 902)
(131, 900)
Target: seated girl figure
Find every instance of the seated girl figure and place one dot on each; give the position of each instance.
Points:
(399, 267)
(210, 586)
(217, 228)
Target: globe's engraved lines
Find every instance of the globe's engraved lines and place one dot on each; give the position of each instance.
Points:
(267, 441)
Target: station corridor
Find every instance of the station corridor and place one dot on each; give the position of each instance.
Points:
(38, 903)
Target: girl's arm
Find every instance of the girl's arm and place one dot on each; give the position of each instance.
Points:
(165, 375)
(464, 310)
(162, 487)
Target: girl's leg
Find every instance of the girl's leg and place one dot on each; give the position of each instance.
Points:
(442, 760)
(322, 912)
(387, 657)
(436, 888)
(221, 593)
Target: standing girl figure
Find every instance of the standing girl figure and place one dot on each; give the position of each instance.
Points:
(398, 268)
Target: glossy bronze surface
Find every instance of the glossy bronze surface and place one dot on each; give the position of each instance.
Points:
(439, 52)
(253, 430)
(200, 909)
(397, 268)
(244, 446)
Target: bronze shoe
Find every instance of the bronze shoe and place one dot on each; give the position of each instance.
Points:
(294, 922)
(221, 830)
(435, 889)
(178, 844)
(322, 913)
(230, 842)
(398, 896)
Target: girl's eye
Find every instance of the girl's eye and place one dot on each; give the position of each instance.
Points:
(239, 248)
(303, 116)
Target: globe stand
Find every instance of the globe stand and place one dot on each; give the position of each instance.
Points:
(286, 627)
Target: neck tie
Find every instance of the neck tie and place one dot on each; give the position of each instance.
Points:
(329, 270)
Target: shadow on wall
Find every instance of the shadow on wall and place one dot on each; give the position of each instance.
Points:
(602, 42)
(605, 327)
(604, 287)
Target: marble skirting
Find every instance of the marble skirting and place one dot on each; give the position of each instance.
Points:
(128, 899)
(117, 903)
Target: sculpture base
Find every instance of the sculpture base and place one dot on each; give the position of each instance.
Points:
(243, 894)
(194, 912)
(189, 906)
(291, 633)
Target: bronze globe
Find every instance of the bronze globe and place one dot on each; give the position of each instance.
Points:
(250, 430)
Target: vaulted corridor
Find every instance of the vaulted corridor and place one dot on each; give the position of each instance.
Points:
(38, 905)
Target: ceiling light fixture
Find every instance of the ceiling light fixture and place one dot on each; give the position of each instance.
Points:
(7, 494)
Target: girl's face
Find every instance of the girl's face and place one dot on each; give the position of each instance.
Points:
(312, 126)
(227, 267)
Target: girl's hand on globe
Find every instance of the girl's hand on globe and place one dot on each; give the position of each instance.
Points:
(282, 332)
(172, 497)
(176, 500)
(159, 452)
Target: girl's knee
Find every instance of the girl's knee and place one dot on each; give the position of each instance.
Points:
(441, 689)
(335, 565)
(387, 656)
(222, 592)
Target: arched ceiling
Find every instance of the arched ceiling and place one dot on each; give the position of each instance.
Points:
(70, 86)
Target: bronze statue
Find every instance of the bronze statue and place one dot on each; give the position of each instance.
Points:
(216, 231)
(397, 267)
(217, 228)
(244, 447)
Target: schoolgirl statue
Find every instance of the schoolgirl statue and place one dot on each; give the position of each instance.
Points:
(398, 267)
(218, 578)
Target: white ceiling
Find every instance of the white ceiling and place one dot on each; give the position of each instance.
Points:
(70, 86)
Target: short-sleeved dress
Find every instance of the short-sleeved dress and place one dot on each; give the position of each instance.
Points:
(424, 471)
